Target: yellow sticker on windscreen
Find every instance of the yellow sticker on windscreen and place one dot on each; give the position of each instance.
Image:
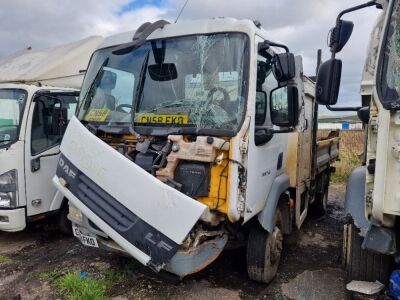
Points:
(161, 119)
(97, 115)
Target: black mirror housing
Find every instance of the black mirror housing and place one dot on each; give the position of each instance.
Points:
(328, 82)
(363, 114)
(163, 72)
(284, 106)
(340, 35)
(262, 136)
(283, 66)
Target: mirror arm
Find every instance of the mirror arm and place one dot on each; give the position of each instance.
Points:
(357, 108)
(277, 45)
(267, 44)
(354, 8)
(351, 9)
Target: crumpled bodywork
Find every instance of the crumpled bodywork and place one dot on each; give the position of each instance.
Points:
(146, 217)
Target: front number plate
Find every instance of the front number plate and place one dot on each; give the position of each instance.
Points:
(86, 240)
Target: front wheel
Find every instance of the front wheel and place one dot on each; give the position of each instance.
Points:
(363, 264)
(264, 251)
(63, 223)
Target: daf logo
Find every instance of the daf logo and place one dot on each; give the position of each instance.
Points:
(67, 169)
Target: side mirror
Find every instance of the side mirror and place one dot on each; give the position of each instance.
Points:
(328, 82)
(363, 114)
(340, 35)
(284, 106)
(283, 66)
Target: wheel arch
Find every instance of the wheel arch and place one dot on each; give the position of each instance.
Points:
(267, 215)
(354, 203)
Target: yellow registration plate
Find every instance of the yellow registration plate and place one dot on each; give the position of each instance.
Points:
(161, 119)
(97, 115)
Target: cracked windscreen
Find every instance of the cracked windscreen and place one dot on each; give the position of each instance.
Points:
(194, 81)
(390, 83)
(107, 91)
(12, 103)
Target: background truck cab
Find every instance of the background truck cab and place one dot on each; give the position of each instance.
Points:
(38, 96)
(191, 137)
(373, 190)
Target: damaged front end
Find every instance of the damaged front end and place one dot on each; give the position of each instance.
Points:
(170, 216)
(150, 163)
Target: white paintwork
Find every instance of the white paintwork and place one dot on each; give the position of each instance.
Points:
(383, 134)
(16, 220)
(261, 160)
(158, 204)
(31, 186)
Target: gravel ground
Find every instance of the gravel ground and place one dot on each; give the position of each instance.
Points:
(310, 268)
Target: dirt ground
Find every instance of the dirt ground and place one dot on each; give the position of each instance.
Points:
(310, 269)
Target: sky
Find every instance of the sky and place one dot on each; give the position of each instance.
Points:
(303, 25)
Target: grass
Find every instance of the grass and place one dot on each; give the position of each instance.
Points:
(5, 260)
(74, 286)
(350, 150)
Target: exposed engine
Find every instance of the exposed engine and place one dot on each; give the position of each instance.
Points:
(196, 166)
(183, 164)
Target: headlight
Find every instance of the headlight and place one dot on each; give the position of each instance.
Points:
(75, 215)
(8, 189)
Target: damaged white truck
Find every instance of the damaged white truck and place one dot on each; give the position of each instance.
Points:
(39, 92)
(373, 190)
(190, 138)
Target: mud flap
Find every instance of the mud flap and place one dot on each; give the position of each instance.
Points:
(127, 203)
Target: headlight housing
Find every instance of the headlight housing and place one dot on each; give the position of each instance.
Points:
(8, 189)
(74, 214)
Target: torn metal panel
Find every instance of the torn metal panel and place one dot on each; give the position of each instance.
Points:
(186, 262)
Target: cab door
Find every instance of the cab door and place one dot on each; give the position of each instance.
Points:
(265, 161)
(43, 137)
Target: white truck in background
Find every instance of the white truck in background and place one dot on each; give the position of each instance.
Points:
(38, 95)
(190, 138)
(371, 237)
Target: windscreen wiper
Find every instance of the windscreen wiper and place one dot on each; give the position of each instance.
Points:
(87, 101)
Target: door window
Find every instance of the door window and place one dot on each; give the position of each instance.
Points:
(50, 116)
(266, 82)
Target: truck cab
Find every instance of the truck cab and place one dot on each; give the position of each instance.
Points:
(181, 143)
(38, 97)
(372, 194)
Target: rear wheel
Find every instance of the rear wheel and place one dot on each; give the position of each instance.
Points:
(318, 207)
(363, 264)
(264, 252)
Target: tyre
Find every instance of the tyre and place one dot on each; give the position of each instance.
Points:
(264, 251)
(63, 223)
(363, 264)
(318, 207)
